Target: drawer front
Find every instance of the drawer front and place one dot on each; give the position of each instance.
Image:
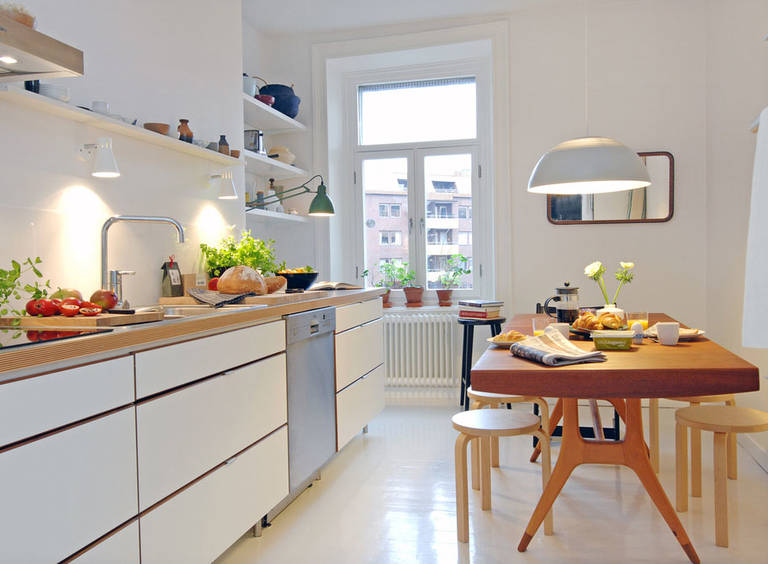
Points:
(42, 403)
(358, 404)
(358, 351)
(201, 522)
(174, 365)
(120, 548)
(63, 492)
(357, 314)
(184, 434)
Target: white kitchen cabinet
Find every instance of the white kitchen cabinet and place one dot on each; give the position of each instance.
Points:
(357, 404)
(64, 491)
(202, 521)
(41, 403)
(121, 547)
(185, 433)
(358, 351)
(357, 314)
(173, 365)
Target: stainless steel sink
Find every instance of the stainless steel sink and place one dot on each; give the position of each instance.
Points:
(177, 312)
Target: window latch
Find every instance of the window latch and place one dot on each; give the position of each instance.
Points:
(421, 221)
(410, 225)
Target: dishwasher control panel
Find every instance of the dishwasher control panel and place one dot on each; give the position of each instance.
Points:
(300, 326)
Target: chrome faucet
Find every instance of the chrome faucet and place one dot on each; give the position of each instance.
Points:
(131, 218)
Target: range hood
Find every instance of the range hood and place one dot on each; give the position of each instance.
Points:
(26, 54)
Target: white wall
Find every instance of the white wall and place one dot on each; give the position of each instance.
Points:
(157, 61)
(737, 90)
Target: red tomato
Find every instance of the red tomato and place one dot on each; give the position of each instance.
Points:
(89, 309)
(69, 310)
(213, 284)
(33, 336)
(72, 301)
(43, 307)
(57, 303)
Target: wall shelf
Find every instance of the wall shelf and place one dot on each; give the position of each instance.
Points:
(262, 165)
(73, 113)
(277, 216)
(258, 115)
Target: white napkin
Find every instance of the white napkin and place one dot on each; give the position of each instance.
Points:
(754, 328)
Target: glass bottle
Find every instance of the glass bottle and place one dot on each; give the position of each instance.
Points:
(223, 145)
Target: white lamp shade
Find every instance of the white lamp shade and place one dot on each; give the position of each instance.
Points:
(225, 186)
(104, 163)
(588, 165)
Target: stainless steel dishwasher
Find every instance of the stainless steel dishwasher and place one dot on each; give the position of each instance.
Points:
(310, 368)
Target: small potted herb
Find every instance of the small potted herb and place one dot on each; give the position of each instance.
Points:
(456, 268)
(387, 281)
(405, 278)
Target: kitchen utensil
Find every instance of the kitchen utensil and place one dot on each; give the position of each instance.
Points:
(265, 99)
(286, 100)
(250, 85)
(253, 140)
(669, 332)
(161, 128)
(566, 304)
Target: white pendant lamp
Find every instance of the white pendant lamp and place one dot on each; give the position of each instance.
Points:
(588, 165)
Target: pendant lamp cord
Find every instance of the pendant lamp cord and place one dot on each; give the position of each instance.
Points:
(586, 65)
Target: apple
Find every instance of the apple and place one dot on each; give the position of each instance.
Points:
(106, 299)
(63, 293)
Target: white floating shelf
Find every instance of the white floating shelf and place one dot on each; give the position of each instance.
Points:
(64, 110)
(258, 115)
(262, 165)
(277, 216)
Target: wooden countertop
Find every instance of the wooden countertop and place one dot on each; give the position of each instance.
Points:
(699, 367)
(21, 362)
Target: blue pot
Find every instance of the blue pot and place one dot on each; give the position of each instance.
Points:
(286, 101)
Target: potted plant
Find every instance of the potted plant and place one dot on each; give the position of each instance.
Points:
(258, 254)
(387, 281)
(624, 275)
(405, 279)
(456, 268)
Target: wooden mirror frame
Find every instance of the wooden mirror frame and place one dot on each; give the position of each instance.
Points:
(651, 220)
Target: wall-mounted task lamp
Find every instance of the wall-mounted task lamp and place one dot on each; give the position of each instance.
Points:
(100, 153)
(224, 185)
(321, 205)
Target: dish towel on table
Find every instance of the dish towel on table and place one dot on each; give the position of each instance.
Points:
(754, 328)
(214, 298)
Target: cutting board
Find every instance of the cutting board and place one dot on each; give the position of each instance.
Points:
(101, 320)
(267, 299)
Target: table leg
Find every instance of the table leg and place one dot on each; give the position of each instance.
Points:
(469, 331)
(554, 420)
(653, 432)
(463, 392)
(631, 452)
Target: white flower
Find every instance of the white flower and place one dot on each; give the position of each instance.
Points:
(627, 265)
(592, 269)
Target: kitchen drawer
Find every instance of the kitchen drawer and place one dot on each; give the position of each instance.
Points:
(120, 548)
(39, 404)
(202, 521)
(358, 351)
(357, 404)
(357, 314)
(174, 365)
(183, 434)
(63, 492)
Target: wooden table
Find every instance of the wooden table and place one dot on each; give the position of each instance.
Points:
(649, 370)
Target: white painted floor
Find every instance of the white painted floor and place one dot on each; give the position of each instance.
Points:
(388, 497)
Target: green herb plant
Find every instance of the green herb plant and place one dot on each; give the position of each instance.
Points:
(457, 267)
(248, 251)
(11, 286)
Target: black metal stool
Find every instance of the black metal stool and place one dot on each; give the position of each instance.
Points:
(466, 351)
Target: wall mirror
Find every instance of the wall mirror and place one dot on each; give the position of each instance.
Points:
(652, 204)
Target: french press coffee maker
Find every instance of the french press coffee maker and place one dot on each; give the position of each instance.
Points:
(566, 304)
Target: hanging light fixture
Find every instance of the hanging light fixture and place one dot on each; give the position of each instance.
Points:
(224, 185)
(588, 165)
(104, 163)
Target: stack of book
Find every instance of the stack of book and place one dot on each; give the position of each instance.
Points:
(479, 309)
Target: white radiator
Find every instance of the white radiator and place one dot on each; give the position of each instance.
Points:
(422, 349)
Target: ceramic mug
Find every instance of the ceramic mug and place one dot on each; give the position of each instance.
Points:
(669, 332)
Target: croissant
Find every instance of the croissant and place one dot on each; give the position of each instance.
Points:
(610, 320)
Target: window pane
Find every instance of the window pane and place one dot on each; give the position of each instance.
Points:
(403, 112)
(385, 187)
(448, 182)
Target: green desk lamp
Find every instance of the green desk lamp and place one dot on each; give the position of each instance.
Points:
(321, 205)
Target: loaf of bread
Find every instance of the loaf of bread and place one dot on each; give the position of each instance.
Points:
(275, 283)
(241, 280)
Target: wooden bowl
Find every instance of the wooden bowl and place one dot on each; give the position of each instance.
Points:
(161, 128)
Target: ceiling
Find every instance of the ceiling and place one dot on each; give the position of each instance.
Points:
(303, 16)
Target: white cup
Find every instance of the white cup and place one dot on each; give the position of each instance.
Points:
(100, 107)
(669, 332)
(564, 328)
